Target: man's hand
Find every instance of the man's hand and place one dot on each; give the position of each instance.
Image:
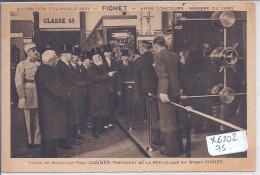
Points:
(22, 103)
(111, 74)
(119, 93)
(164, 97)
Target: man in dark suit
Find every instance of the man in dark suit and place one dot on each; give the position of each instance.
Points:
(84, 91)
(111, 65)
(64, 69)
(77, 100)
(126, 74)
(166, 64)
(99, 94)
(52, 97)
(146, 80)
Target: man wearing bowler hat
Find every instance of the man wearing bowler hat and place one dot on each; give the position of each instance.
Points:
(25, 85)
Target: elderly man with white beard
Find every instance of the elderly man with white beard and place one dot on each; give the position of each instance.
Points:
(99, 94)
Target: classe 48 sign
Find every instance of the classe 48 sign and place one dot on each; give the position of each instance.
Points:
(59, 20)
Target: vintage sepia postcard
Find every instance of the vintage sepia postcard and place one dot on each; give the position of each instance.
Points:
(128, 86)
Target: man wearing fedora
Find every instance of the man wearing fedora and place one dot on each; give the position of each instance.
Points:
(64, 69)
(99, 94)
(25, 85)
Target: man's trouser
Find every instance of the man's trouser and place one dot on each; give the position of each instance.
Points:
(32, 126)
(155, 118)
(169, 124)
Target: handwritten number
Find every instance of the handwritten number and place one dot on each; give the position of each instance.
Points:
(234, 135)
(223, 148)
(218, 148)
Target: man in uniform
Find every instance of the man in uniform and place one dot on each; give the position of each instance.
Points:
(26, 89)
(166, 64)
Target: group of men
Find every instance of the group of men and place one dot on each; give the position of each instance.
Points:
(64, 91)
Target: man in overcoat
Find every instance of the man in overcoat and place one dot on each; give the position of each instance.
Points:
(52, 97)
(26, 89)
(72, 108)
(166, 64)
(146, 80)
(126, 74)
(76, 104)
(84, 92)
(99, 94)
(111, 65)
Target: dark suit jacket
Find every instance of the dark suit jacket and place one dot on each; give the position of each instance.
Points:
(126, 73)
(114, 82)
(98, 91)
(145, 75)
(52, 95)
(70, 81)
(166, 67)
(83, 82)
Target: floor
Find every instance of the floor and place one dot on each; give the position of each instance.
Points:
(120, 143)
(116, 144)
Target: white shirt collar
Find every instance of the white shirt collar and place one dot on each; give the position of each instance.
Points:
(64, 61)
(85, 66)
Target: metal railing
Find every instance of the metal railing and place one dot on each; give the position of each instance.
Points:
(189, 111)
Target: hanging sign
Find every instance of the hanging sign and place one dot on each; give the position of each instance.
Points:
(56, 20)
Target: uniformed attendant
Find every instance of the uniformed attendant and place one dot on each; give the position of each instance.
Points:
(99, 94)
(166, 64)
(25, 85)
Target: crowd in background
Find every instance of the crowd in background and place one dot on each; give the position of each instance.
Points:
(67, 91)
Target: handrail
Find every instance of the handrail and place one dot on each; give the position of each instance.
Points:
(189, 109)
